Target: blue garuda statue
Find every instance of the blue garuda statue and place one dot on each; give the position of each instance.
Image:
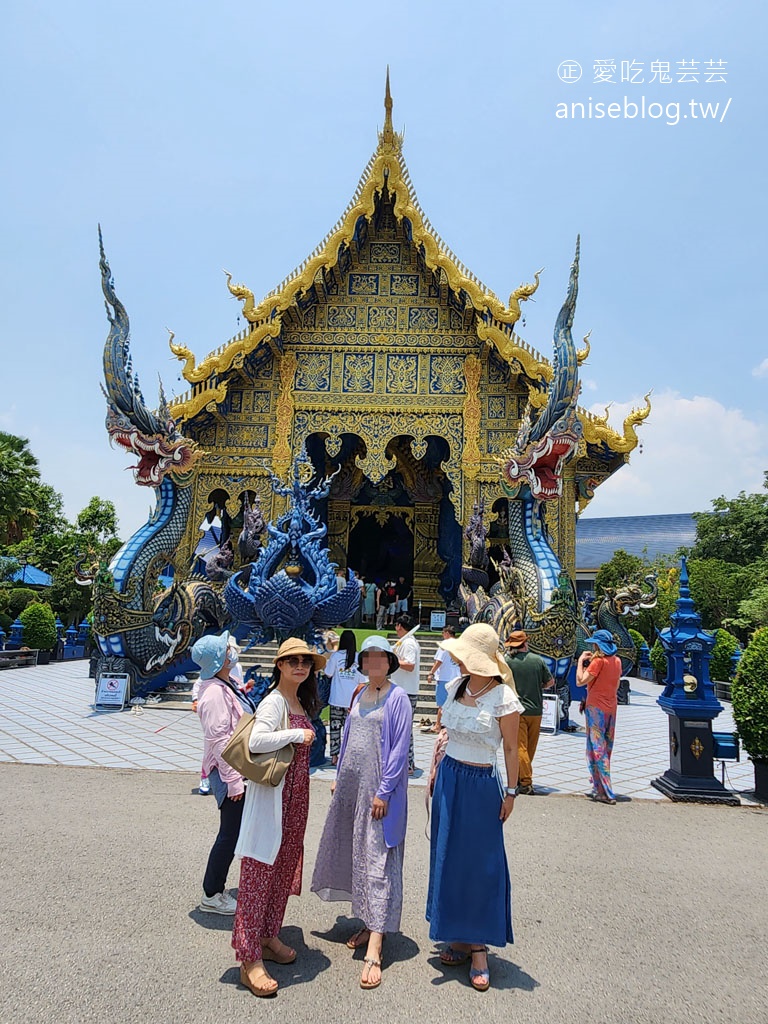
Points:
(291, 589)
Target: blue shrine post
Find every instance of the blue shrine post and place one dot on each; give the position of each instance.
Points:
(690, 702)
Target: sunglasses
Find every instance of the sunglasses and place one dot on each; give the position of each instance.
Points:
(299, 660)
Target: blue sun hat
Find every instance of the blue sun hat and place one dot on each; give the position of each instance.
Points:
(209, 652)
(604, 640)
(375, 642)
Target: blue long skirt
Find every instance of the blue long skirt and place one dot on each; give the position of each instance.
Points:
(470, 896)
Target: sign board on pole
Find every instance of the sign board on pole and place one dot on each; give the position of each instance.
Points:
(550, 715)
(111, 690)
(436, 620)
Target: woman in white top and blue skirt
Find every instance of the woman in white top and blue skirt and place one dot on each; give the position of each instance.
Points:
(469, 903)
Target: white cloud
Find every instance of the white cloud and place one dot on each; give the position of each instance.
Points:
(761, 370)
(693, 449)
(587, 384)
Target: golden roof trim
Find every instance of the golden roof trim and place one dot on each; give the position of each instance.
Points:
(385, 169)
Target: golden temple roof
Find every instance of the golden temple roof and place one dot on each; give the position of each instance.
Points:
(386, 170)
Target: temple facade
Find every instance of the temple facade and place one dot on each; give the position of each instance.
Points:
(395, 368)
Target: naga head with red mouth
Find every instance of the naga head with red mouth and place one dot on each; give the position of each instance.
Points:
(538, 469)
(159, 455)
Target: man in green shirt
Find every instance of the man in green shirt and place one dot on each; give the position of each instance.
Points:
(531, 678)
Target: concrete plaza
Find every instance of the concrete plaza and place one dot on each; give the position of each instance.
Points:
(646, 912)
(47, 717)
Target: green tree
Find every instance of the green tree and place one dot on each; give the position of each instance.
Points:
(19, 475)
(735, 531)
(98, 521)
(749, 694)
(621, 568)
(753, 610)
(718, 588)
(726, 645)
(39, 626)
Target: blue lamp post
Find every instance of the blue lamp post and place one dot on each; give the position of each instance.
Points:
(690, 702)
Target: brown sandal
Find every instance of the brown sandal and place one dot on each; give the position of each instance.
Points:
(262, 993)
(369, 963)
(268, 953)
(358, 939)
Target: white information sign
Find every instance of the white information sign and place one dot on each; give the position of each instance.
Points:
(550, 715)
(111, 690)
(436, 620)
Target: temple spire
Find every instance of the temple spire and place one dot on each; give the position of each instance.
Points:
(388, 129)
(390, 141)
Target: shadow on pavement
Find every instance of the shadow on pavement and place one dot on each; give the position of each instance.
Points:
(309, 963)
(504, 975)
(397, 946)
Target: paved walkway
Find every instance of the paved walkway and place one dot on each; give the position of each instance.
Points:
(47, 717)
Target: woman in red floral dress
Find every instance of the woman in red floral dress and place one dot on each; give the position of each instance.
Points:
(271, 841)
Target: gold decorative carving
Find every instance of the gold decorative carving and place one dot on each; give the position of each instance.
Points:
(582, 353)
(382, 514)
(281, 453)
(597, 431)
(697, 748)
(470, 459)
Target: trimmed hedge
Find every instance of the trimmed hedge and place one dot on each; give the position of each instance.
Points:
(749, 694)
(39, 627)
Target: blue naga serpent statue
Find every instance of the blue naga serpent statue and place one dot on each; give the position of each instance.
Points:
(534, 593)
(140, 631)
(291, 588)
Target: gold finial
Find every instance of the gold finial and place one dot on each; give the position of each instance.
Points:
(390, 141)
(388, 129)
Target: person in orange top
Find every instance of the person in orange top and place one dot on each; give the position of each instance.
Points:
(600, 671)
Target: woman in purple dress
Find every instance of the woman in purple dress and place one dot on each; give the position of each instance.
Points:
(360, 857)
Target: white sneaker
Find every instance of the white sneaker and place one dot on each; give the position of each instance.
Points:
(204, 788)
(221, 903)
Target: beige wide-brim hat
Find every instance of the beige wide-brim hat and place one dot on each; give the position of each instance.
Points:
(295, 646)
(478, 650)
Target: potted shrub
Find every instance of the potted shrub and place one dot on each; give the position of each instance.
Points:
(638, 640)
(39, 630)
(720, 665)
(749, 694)
(659, 662)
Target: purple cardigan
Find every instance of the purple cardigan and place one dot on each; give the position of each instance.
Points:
(395, 740)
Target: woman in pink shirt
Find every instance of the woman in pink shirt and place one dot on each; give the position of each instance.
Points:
(600, 671)
(219, 709)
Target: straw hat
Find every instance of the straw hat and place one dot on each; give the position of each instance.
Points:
(209, 653)
(478, 650)
(379, 643)
(293, 645)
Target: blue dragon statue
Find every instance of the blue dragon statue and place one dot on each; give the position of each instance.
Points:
(534, 593)
(140, 629)
(291, 588)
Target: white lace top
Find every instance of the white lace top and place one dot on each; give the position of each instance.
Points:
(473, 732)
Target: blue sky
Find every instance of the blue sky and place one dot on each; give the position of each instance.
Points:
(232, 136)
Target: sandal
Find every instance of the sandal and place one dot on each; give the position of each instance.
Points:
(278, 956)
(369, 962)
(453, 957)
(479, 979)
(262, 992)
(360, 938)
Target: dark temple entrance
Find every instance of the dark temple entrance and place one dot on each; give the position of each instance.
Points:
(381, 543)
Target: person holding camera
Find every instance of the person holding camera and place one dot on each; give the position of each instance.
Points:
(600, 671)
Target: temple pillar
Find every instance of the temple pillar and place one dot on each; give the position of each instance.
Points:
(338, 531)
(427, 564)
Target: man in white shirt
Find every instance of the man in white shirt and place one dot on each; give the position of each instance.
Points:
(408, 653)
(443, 670)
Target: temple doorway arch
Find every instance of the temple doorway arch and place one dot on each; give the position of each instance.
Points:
(380, 545)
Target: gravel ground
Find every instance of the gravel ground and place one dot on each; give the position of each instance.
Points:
(643, 912)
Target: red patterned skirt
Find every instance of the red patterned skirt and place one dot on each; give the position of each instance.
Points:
(264, 888)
